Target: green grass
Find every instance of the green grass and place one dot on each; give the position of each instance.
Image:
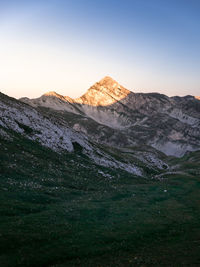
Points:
(56, 210)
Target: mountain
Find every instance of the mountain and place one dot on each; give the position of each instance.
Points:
(82, 185)
(110, 114)
(103, 93)
(21, 121)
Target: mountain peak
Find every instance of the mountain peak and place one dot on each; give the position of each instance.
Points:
(105, 92)
(109, 83)
(107, 79)
(52, 93)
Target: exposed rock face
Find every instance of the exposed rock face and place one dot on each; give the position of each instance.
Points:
(109, 113)
(103, 93)
(32, 124)
(51, 100)
(19, 120)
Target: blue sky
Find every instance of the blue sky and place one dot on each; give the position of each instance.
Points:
(66, 46)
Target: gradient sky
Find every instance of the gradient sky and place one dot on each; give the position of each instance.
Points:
(67, 45)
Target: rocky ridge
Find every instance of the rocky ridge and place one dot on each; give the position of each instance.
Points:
(110, 114)
(54, 133)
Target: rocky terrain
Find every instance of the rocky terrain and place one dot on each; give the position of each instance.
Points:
(56, 134)
(110, 114)
(84, 182)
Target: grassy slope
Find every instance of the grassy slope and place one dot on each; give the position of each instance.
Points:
(56, 212)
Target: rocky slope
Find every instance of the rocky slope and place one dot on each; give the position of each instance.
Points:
(110, 114)
(19, 120)
(66, 200)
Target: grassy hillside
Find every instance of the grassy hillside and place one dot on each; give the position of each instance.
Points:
(63, 210)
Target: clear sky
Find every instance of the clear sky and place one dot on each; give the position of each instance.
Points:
(67, 45)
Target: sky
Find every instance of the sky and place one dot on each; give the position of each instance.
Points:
(68, 45)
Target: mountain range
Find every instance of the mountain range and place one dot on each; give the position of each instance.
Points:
(107, 179)
(110, 114)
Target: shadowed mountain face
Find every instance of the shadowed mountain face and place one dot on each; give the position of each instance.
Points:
(23, 124)
(110, 114)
